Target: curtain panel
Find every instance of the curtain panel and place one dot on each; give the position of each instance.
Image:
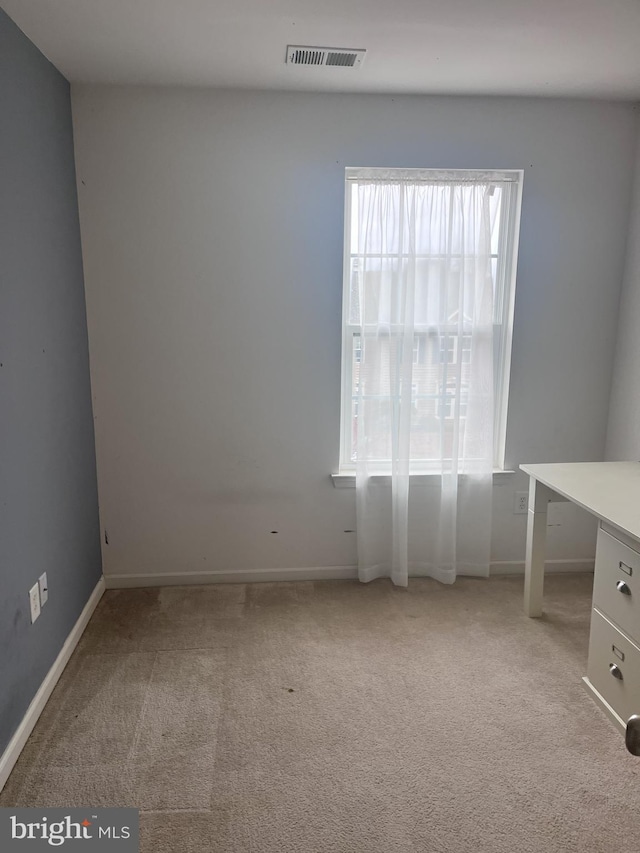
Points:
(421, 307)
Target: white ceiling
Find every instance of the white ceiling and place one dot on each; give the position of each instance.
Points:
(588, 48)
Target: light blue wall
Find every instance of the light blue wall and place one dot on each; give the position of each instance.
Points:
(48, 495)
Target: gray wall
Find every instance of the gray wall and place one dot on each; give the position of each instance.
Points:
(212, 228)
(48, 498)
(623, 437)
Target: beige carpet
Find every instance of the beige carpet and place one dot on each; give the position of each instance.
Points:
(311, 717)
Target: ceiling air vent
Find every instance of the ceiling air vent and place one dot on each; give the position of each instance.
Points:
(336, 56)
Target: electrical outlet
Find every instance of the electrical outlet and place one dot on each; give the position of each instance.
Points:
(521, 503)
(44, 589)
(34, 602)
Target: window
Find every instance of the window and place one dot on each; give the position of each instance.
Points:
(449, 349)
(442, 350)
(448, 398)
(449, 346)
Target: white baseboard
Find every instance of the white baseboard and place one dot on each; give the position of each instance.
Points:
(551, 567)
(17, 742)
(312, 573)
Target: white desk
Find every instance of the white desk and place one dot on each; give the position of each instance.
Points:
(611, 492)
(608, 490)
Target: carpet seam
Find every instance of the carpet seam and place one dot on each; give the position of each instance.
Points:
(136, 738)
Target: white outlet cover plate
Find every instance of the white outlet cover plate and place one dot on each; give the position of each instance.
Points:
(521, 503)
(34, 602)
(44, 589)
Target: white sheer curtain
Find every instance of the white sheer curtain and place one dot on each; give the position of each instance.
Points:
(421, 300)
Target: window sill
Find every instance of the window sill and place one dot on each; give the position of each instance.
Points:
(347, 480)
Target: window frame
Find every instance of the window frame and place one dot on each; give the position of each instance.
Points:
(506, 276)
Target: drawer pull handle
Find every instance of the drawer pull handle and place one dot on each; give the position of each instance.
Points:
(623, 587)
(615, 671)
(632, 738)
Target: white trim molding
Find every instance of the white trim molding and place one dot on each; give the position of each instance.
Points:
(17, 742)
(314, 573)
(551, 567)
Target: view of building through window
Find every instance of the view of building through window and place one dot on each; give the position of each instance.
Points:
(432, 399)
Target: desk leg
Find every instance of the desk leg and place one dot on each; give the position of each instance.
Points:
(539, 497)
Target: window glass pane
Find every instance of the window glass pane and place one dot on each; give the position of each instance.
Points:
(397, 222)
(435, 395)
(496, 219)
(354, 293)
(403, 254)
(436, 391)
(356, 361)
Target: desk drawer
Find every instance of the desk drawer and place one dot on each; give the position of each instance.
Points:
(609, 648)
(616, 586)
